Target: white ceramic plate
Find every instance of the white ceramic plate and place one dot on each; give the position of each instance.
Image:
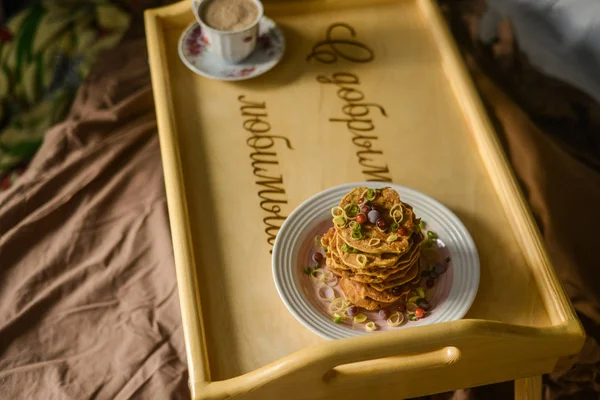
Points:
(269, 50)
(312, 216)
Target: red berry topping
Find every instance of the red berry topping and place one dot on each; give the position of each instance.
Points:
(361, 218)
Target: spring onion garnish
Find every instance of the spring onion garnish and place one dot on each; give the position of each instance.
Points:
(413, 318)
(337, 318)
(411, 307)
(370, 326)
(319, 275)
(422, 224)
(338, 305)
(414, 299)
(432, 234)
(360, 318)
(368, 194)
(397, 212)
(374, 242)
(307, 270)
(362, 259)
(332, 282)
(448, 259)
(393, 237)
(394, 226)
(326, 293)
(323, 242)
(339, 221)
(421, 292)
(319, 240)
(337, 212)
(353, 225)
(398, 216)
(351, 210)
(395, 319)
(356, 234)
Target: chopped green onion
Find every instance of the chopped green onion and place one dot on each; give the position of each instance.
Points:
(395, 319)
(360, 318)
(413, 318)
(337, 320)
(421, 293)
(422, 224)
(393, 237)
(337, 212)
(351, 210)
(370, 194)
(339, 220)
(325, 249)
(448, 259)
(361, 259)
(307, 271)
(318, 240)
(356, 235)
(374, 242)
(318, 266)
(432, 234)
(394, 226)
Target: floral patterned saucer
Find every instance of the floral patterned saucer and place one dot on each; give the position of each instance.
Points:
(269, 49)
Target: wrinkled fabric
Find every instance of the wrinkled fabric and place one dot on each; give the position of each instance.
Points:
(89, 306)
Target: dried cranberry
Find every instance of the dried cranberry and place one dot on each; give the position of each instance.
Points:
(317, 257)
(361, 218)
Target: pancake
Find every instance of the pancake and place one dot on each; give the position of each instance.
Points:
(403, 260)
(351, 295)
(369, 275)
(373, 260)
(410, 276)
(385, 199)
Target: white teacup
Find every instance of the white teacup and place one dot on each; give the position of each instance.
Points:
(231, 46)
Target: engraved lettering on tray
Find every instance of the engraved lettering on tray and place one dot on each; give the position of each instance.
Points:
(358, 113)
(264, 159)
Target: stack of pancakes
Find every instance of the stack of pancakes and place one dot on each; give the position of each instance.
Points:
(375, 267)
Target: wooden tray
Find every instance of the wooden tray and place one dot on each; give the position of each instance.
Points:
(426, 129)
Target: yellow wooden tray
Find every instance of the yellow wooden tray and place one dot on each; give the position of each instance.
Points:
(228, 148)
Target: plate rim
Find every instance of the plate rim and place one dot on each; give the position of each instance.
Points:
(472, 284)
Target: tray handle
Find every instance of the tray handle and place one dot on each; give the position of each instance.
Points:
(343, 365)
(342, 374)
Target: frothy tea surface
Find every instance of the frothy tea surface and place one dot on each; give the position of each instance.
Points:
(229, 15)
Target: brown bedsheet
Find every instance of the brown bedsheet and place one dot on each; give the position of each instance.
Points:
(88, 299)
(88, 296)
